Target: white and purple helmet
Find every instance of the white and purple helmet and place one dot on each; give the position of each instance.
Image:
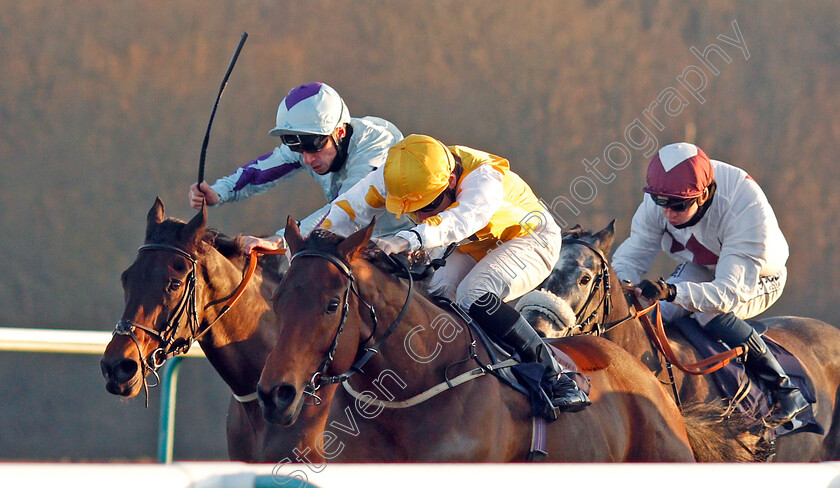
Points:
(313, 108)
(680, 170)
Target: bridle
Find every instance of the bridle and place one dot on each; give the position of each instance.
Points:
(319, 378)
(169, 343)
(604, 305)
(167, 338)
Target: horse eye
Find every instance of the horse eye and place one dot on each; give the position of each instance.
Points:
(173, 285)
(332, 306)
(585, 279)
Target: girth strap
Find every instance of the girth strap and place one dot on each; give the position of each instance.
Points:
(431, 392)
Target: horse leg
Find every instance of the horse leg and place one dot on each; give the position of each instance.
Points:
(240, 435)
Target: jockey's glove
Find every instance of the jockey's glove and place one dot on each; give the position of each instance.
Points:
(657, 290)
(392, 244)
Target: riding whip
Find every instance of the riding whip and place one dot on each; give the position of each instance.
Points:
(216, 105)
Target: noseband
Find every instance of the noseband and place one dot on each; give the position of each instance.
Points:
(319, 379)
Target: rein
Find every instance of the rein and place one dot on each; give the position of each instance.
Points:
(319, 379)
(170, 346)
(657, 334)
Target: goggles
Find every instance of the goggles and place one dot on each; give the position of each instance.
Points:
(675, 204)
(434, 204)
(310, 143)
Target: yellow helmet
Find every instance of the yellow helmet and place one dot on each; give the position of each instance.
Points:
(416, 172)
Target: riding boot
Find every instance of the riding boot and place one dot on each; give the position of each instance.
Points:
(761, 361)
(506, 324)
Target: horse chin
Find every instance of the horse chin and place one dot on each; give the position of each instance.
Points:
(284, 418)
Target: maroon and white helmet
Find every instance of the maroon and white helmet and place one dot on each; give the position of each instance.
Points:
(680, 170)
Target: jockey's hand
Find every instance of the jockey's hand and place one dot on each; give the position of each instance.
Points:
(204, 193)
(656, 290)
(392, 244)
(272, 243)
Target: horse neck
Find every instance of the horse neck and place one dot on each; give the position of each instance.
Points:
(423, 344)
(630, 334)
(238, 343)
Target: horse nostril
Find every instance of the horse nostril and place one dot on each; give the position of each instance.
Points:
(279, 396)
(285, 394)
(125, 370)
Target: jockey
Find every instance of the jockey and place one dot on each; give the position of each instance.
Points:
(318, 136)
(456, 194)
(716, 222)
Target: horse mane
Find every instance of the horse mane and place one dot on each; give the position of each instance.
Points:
(171, 231)
(325, 241)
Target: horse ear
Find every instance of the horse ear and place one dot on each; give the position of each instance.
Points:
(356, 243)
(194, 231)
(155, 217)
(604, 238)
(292, 235)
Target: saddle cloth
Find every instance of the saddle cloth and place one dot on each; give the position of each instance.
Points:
(757, 400)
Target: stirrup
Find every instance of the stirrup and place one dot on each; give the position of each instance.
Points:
(550, 412)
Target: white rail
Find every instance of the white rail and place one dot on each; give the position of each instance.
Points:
(61, 341)
(93, 342)
(207, 475)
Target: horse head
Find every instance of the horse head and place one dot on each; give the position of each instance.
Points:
(160, 318)
(319, 323)
(568, 301)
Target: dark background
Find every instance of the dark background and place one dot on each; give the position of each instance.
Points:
(104, 104)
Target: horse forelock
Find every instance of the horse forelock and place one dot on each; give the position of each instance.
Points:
(322, 240)
(576, 233)
(172, 232)
(325, 241)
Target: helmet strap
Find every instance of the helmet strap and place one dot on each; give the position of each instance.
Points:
(701, 210)
(341, 148)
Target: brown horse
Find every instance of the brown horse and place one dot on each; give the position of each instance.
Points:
(589, 303)
(175, 289)
(401, 362)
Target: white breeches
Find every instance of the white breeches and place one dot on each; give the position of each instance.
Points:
(768, 291)
(509, 271)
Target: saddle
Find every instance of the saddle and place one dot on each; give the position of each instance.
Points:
(748, 394)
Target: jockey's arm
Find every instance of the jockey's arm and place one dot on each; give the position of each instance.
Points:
(636, 254)
(736, 277)
(355, 174)
(357, 206)
(744, 253)
(258, 176)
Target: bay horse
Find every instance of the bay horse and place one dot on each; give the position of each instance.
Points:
(177, 286)
(405, 393)
(592, 301)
